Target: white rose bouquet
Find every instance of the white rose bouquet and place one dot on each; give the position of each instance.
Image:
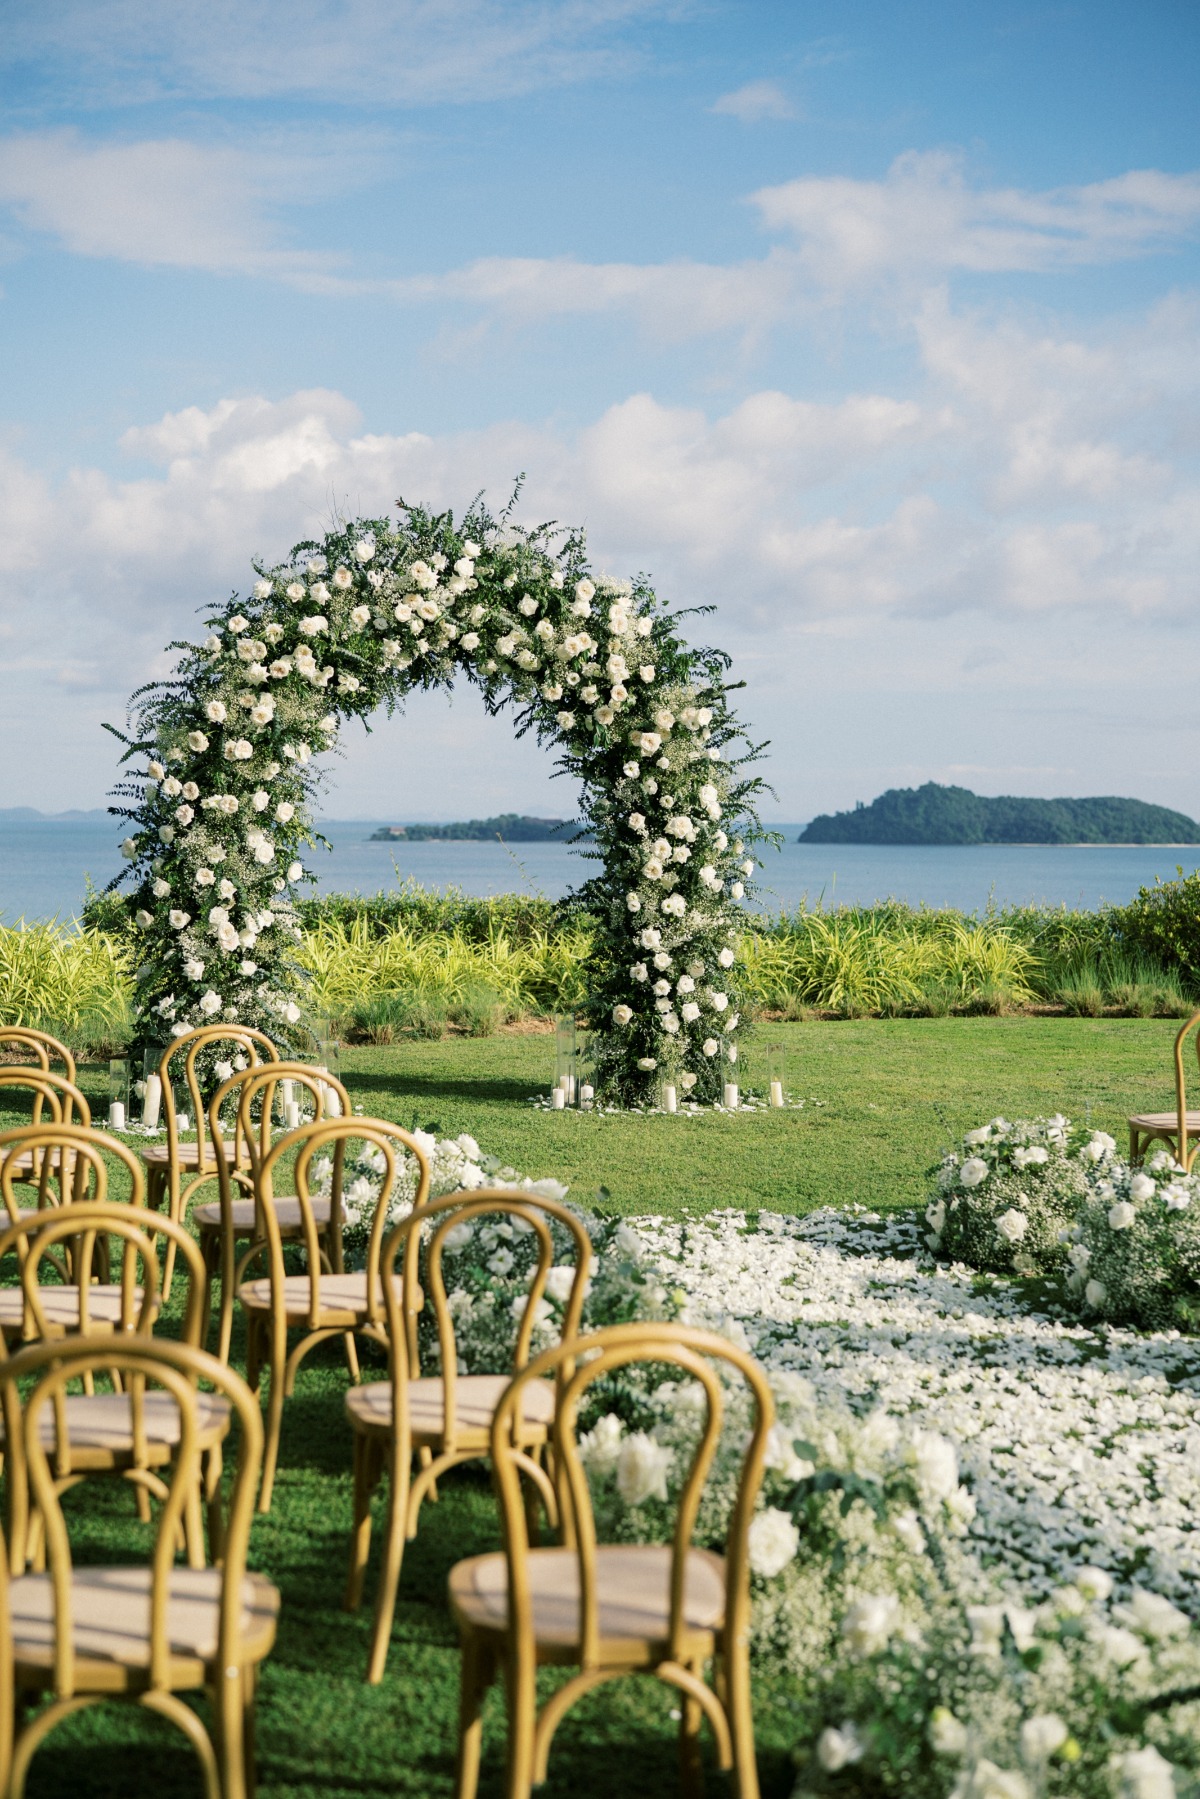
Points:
(1134, 1253)
(1004, 1199)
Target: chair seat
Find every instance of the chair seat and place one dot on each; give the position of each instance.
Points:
(110, 1611)
(343, 1296)
(633, 1587)
(287, 1209)
(158, 1155)
(476, 1397)
(24, 1162)
(100, 1426)
(61, 1307)
(1164, 1121)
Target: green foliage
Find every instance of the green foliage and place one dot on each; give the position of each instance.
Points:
(508, 827)
(935, 814)
(1163, 924)
(76, 983)
(424, 910)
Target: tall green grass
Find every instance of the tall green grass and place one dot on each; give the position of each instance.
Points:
(415, 963)
(74, 982)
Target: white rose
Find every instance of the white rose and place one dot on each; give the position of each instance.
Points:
(210, 1002)
(973, 1172)
(871, 1622)
(1122, 1215)
(1012, 1225)
(470, 641)
(166, 833)
(295, 871)
(710, 1046)
(1095, 1293)
(837, 1749)
(1146, 1774)
(178, 920)
(216, 712)
(947, 1736)
(129, 849)
(160, 888)
(285, 812)
(1142, 1187)
(1041, 1736)
(1175, 1197)
(314, 624)
(772, 1541)
(197, 741)
(622, 1015)
(143, 919)
(642, 1466)
(364, 549)
(205, 877)
(646, 671)
(237, 624)
(633, 902)
(294, 590)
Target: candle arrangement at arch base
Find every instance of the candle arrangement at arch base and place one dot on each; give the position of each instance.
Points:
(572, 1090)
(224, 760)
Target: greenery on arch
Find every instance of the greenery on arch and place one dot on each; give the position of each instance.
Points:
(228, 761)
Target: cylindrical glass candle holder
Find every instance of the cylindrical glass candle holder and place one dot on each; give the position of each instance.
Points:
(152, 1086)
(329, 1061)
(668, 1097)
(775, 1073)
(566, 1059)
(118, 1093)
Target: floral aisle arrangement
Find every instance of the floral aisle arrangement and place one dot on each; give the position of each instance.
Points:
(1135, 1250)
(227, 754)
(1004, 1200)
(977, 1551)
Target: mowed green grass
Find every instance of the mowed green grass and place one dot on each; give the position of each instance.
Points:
(893, 1094)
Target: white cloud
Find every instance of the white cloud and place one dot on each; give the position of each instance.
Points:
(169, 202)
(395, 52)
(924, 217)
(756, 101)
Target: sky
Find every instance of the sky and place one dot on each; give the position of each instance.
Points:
(875, 328)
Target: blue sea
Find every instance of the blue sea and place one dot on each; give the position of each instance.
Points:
(43, 863)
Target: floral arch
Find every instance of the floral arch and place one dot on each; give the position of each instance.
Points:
(220, 809)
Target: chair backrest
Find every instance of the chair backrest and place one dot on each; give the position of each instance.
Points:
(389, 1140)
(434, 1224)
(58, 1093)
(38, 1045)
(1180, 1089)
(593, 1357)
(87, 1228)
(256, 1089)
(78, 1152)
(188, 1051)
(176, 1368)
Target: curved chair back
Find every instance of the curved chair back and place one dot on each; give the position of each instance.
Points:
(391, 1142)
(256, 1089)
(61, 1097)
(87, 1227)
(1182, 1156)
(72, 1146)
(591, 1358)
(188, 1050)
(437, 1222)
(39, 1046)
(176, 1368)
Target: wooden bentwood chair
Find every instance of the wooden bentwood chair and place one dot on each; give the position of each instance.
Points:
(319, 1302)
(175, 1170)
(612, 1609)
(66, 1306)
(1170, 1128)
(445, 1419)
(56, 1100)
(127, 1433)
(27, 1046)
(226, 1221)
(143, 1632)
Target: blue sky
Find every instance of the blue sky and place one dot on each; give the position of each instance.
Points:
(873, 326)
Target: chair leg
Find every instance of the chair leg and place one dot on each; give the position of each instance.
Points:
(478, 1672)
(520, 1693)
(366, 1477)
(249, 1747)
(351, 1348)
(691, 1768)
(741, 1721)
(214, 1516)
(389, 1574)
(274, 1414)
(253, 1351)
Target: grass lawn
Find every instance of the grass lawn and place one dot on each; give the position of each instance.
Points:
(893, 1092)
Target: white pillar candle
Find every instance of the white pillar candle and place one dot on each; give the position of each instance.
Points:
(288, 1091)
(558, 1099)
(152, 1102)
(116, 1116)
(731, 1095)
(670, 1101)
(291, 1113)
(776, 1093)
(182, 1121)
(587, 1094)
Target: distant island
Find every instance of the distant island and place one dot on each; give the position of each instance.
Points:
(933, 814)
(510, 827)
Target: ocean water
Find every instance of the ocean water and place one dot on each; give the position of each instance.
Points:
(43, 863)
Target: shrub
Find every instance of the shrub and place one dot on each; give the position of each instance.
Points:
(1006, 1199)
(1135, 1254)
(76, 983)
(1163, 925)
